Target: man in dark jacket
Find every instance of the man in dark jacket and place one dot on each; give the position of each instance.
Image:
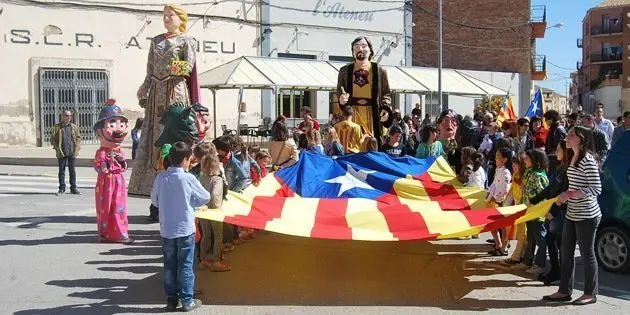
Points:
(599, 137)
(66, 140)
(556, 132)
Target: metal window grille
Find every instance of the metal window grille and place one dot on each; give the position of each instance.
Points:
(81, 91)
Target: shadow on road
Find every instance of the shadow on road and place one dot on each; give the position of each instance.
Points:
(119, 294)
(86, 237)
(36, 222)
(284, 270)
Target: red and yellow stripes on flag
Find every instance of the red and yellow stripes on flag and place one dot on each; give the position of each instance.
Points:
(432, 206)
(507, 109)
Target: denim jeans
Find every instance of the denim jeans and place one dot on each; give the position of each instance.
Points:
(582, 233)
(536, 232)
(69, 161)
(179, 278)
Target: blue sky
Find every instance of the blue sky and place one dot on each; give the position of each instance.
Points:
(559, 44)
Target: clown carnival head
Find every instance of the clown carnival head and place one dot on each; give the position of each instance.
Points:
(203, 121)
(447, 124)
(111, 127)
(362, 49)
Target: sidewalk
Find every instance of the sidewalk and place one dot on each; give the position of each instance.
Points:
(45, 156)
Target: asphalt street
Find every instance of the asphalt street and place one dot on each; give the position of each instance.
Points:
(52, 263)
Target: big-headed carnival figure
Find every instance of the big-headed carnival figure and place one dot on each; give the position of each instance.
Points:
(171, 78)
(363, 84)
(109, 162)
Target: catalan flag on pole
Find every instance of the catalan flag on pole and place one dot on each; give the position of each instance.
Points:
(507, 109)
(537, 107)
(368, 196)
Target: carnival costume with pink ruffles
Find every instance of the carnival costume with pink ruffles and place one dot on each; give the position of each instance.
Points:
(110, 164)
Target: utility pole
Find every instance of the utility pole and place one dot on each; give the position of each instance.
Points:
(566, 96)
(440, 103)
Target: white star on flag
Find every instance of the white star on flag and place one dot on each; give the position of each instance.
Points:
(535, 107)
(351, 179)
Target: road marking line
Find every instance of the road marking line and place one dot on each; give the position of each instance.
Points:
(80, 213)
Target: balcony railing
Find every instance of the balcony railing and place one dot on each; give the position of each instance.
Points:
(606, 57)
(612, 76)
(580, 43)
(611, 28)
(539, 14)
(539, 63)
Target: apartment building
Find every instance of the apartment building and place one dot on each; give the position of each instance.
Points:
(603, 73)
(498, 36)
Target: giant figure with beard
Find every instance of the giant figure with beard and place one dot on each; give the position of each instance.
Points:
(110, 164)
(363, 85)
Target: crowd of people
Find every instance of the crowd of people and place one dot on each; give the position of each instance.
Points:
(516, 161)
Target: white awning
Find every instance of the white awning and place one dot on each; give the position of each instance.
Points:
(235, 74)
(303, 74)
(298, 74)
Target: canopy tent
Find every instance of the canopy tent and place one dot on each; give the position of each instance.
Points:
(319, 75)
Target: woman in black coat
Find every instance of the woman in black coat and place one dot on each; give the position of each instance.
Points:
(558, 182)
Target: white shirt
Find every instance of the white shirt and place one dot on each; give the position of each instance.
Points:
(500, 185)
(607, 127)
(477, 179)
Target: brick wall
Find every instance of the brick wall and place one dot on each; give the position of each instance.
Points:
(515, 42)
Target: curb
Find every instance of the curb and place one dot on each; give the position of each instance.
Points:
(84, 179)
(26, 174)
(36, 161)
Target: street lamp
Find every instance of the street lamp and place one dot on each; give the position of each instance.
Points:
(559, 25)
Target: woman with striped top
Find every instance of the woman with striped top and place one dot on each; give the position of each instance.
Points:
(582, 217)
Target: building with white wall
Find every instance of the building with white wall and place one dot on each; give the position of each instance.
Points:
(324, 30)
(57, 56)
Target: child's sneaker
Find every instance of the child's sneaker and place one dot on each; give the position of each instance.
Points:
(192, 306)
(218, 266)
(227, 248)
(238, 241)
(535, 270)
(520, 266)
(205, 264)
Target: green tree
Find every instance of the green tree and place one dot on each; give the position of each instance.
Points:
(488, 104)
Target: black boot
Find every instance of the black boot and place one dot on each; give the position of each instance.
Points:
(154, 213)
(172, 303)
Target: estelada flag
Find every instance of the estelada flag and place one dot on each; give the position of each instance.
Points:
(368, 196)
(537, 108)
(507, 109)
